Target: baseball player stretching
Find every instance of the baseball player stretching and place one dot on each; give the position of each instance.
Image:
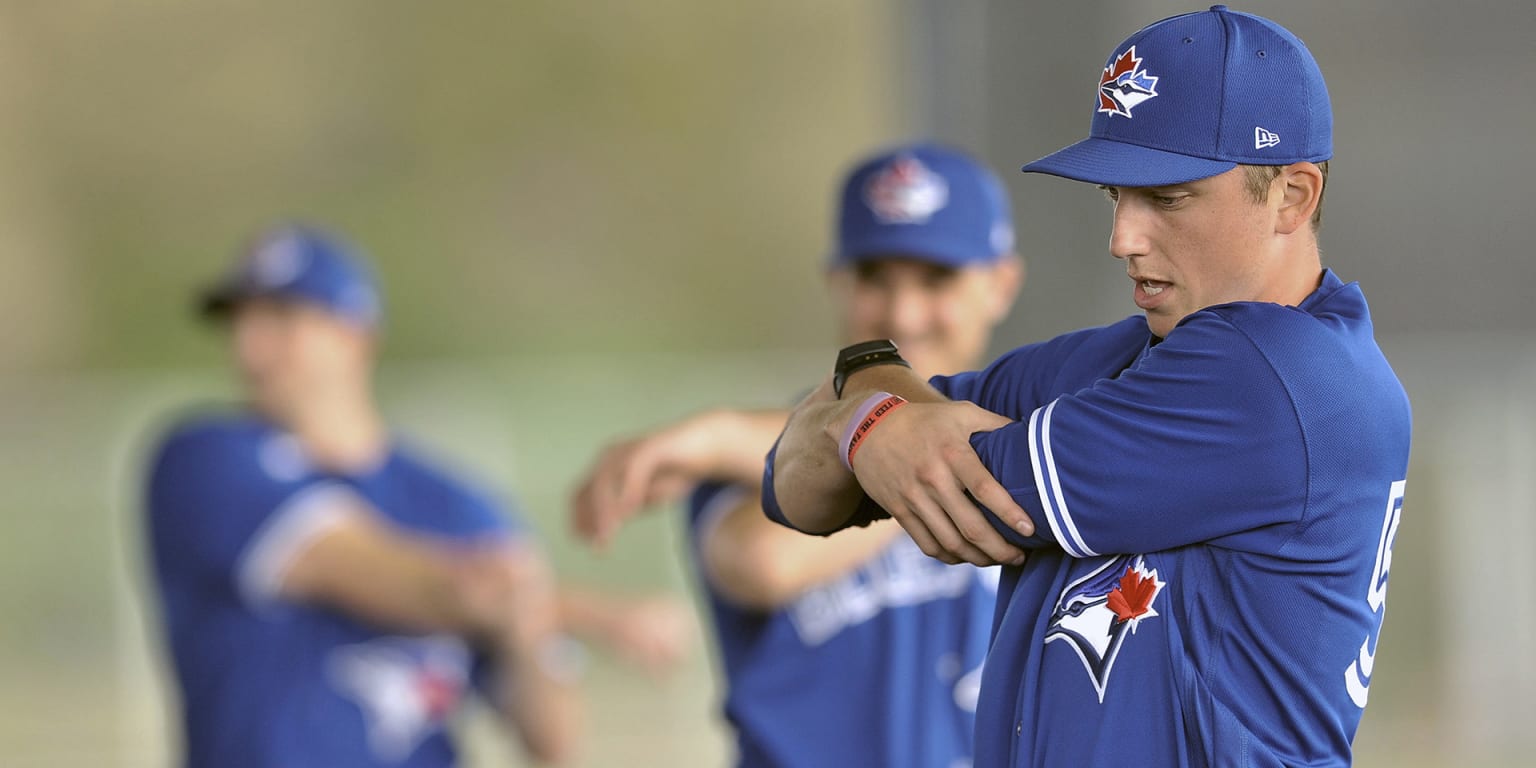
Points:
(1208, 494)
(329, 595)
(855, 650)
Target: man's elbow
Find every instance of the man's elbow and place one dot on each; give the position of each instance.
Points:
(756, 576)
(819, 512)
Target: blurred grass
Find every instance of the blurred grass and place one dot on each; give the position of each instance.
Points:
(82, 674)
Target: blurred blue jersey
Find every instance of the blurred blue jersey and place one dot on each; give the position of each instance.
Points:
(880, 667)
(1215, 513)
(267, 683)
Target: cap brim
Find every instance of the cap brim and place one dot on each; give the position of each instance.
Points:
(215, 305)
(219, 300)
(1117, 164)
(905, 246)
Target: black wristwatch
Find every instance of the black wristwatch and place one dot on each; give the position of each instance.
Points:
(863, 355)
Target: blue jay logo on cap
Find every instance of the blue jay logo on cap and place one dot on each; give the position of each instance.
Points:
(906, 192)
(277, 262)
(1125, 84)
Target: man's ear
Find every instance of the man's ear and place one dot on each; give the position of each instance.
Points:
(1008, 276)
(1301, 192)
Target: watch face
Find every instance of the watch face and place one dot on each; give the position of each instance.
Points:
(851, 355)
(863, 355)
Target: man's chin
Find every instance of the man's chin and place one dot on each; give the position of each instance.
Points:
(267, 404)
(925, 362)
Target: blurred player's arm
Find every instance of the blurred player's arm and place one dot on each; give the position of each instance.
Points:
(363, 565)
(926, 479)
(758, 564)
(500, 595)
(537, 668)
(747, 558)
(660, 466)
(651, 631)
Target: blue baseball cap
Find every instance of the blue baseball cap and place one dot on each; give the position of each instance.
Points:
(300, 263)
(1192, 96)
(923, 201)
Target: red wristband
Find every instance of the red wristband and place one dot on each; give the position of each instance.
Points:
(871, 412)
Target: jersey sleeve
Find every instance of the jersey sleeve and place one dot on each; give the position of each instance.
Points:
(708, 502)
(482, 515)
(1029, 376)
(448, 500)
(218, 515)
(1199, 442)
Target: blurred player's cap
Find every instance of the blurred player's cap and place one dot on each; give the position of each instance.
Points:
(926, 202)
(1194, 95)
(300, 263)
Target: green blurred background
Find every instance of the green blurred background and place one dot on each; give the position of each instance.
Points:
(592, 217)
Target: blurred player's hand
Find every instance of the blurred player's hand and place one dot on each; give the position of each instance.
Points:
(509, 590)
(654, 633)
(662, 465)
(919, 465)
(629, 476)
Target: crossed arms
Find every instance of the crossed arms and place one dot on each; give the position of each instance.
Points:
(918, 467)
(1115, 451)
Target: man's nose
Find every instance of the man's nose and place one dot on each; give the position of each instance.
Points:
(908, 312)
(1127, 237)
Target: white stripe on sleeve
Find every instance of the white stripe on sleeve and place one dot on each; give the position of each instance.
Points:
(1048, 484)
(715, 510)
(285, 535)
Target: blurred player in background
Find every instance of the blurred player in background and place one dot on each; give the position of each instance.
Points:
(854, 650)
(1212, 488)
(329, 594)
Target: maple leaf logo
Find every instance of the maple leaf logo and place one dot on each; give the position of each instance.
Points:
(1132, 599)
(439, 694)
(1125, 84)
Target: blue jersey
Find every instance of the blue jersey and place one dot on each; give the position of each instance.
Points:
(1215, 514)
(267, 683)
(880, 667)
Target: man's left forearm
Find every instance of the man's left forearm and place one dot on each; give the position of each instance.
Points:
(812, 489)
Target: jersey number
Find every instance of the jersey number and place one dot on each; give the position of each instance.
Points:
(1357, 677)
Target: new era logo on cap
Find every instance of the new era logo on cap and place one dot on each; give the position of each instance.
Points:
(1263, 138)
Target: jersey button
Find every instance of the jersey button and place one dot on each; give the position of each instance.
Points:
(1018, 730)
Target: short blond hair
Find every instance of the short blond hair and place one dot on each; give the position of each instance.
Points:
(1260, 176)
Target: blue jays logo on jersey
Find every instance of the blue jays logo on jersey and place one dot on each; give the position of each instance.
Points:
(1125, 84)
(1099, 612)
(406, 688)
(906, 192)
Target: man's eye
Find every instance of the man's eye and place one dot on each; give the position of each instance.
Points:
(1110, 193)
